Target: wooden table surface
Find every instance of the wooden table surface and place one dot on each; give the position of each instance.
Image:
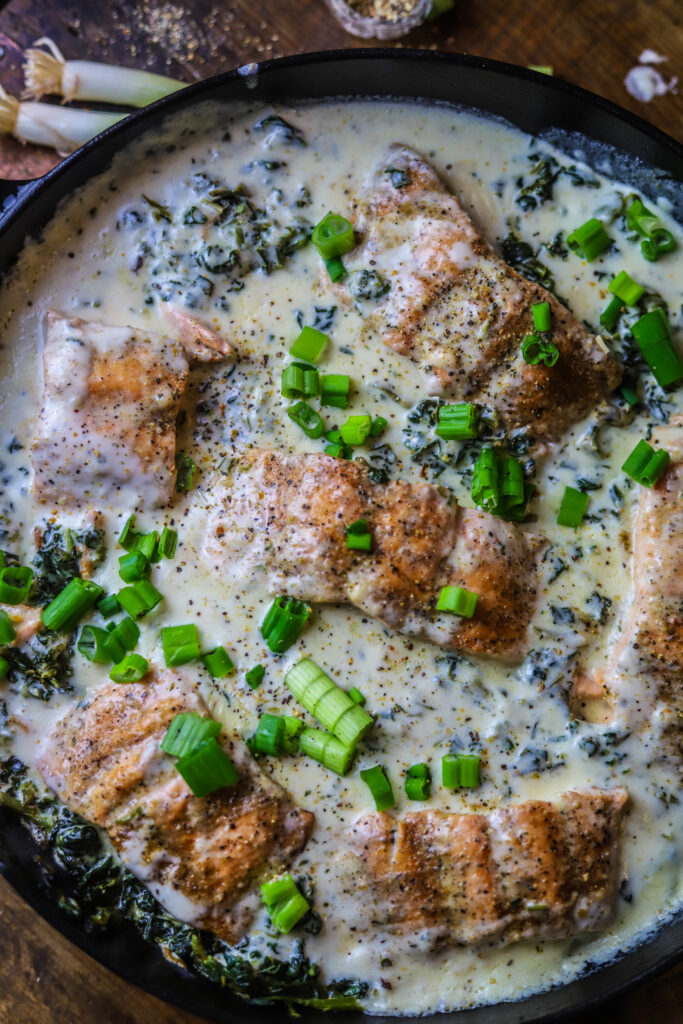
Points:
(43, 979)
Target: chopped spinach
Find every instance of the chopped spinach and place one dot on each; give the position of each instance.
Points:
(379, 463)
(562, 615)
(159, 211)
(42, 665)
(367, 285)
(96, 889)
(324, 317)
(425, 451)
(539, 189)
(520, 255)
(276, 129)
(532, 760)
(59, 557)
(598, 606)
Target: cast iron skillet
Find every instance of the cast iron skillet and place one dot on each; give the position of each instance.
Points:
(571, 117)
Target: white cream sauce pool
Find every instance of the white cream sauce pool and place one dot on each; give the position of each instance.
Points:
(87, 266)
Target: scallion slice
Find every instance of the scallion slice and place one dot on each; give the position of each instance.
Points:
(15, 583)
(308, 419)
(112, 647)
(4, 667)
(626, 289)
(645, 465)
(92, 644)
(283, 623)
(335, 268)
(356, 430)
(254, 677)
(418, 782)
(168, 544)
(130, 669)
(358, 536)
(270, 735)
(572, 507)
(139, 599)
(470, 765)
(378, 426)
(293, 729)
(108, 606)
(498, 485)
(485, 482)
(656, 238)
(335, 390)
(540, 314)
(133, 566)
(71, 604)
(457, 601)
(218, 663)
(589, 240)
(127, 536)
(537, 350)
(333, 236)
(7, 631)
(180, 644)
(338, 451)
(309, 345)
(187, 731)
(450, 771)
(327, 702)
(285, 904)
(207, 768)
(326, 750)
(630, 396)
(356, 696)
(457, 422)
(653, 335)
(299, 381)
(146, 545)
(610, 314)
(377, 782)
(127, 633)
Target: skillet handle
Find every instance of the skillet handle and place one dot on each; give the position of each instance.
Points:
(12, 189)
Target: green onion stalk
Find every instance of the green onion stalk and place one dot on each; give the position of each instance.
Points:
(44, 124)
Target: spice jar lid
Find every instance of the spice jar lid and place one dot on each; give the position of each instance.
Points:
(380, 19)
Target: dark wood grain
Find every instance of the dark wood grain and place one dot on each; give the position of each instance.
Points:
(43, 979)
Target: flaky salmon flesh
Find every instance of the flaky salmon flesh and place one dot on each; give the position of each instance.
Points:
(460, 312)
(201, 857)
(535, 870)
(284, 517)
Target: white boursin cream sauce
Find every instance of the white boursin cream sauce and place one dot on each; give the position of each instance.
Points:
(105, 258)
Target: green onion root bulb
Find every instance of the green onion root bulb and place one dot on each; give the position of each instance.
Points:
(44, 124)
(48, 73)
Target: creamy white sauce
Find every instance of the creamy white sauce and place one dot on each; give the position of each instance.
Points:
(85, 266)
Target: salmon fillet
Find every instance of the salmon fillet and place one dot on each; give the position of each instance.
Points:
(537, 870)
(110, 402)
(461, 313)
(284, 517)
(650, 643)
(200, 857)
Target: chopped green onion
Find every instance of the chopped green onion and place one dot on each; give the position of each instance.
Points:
(334, 436)
(653, 335)
(285, 904)
(630, 396)
(326, 750)
(335, 390)
(133, 566)
(378, 426)
(498, 485)
(70, 605)
(626, 289)
(112, 647)
(537, 350)
(207, 768)
(293, 729)
(299, 381)
(283, 623)
(309, 345)
(186, 469)
(457, 422)
(333, 236)
(51, 74)
(418, 782)
(108, 606)
(168, 543)
(485, 483)
(270, 735)
(657, 239)
(139, 599)
(358, 536)
(572, 507)
(469, 765)
(130, 669)
(187, 731)
(590, 239)
(254, 677)
(180, 644)
(356, 696)
(146, 545)
(450, 771)
(377, 782)
(218, 663)
(356, 429)
(7, 631)
(338, 451)
(335, 268)
(610, 314)
(327, 702)
(92, 644)
(4, 667)
(15, 583)
(127, 536)
(645, 465)
(457, 601)
(308, 419)
(127, 633)
(540, 314)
